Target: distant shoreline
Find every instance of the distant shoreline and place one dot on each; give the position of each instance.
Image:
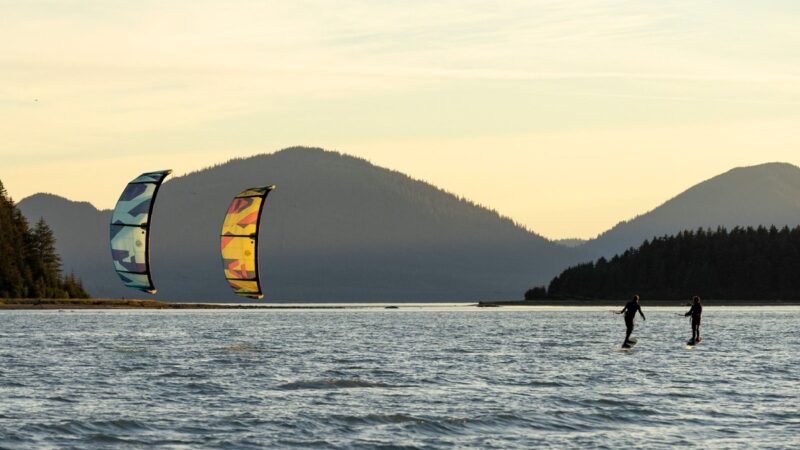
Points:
(111, 303)
(104, 303)
(645, 303)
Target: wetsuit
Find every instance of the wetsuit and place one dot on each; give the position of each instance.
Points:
(697, 314)
(630, 310)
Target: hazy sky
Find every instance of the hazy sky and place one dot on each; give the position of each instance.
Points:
(567, 115)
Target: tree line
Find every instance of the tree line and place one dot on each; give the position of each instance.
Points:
(740, 264)
(30, 266)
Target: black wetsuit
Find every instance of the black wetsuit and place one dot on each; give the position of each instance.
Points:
(697, 315)
(630, 310)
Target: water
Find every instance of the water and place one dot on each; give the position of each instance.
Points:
(450, 377)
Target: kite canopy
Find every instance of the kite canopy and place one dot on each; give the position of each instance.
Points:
(130, 230)
(239, 241)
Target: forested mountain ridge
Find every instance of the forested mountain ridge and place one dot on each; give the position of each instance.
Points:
(337, 228)
(766, 194)
(741, 264)
(30, 266)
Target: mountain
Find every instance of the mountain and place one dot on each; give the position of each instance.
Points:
(767, 194)
(571, 243)
(337, 229)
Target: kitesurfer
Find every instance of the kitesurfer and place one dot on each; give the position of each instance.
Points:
(697, 314)
(630, 310)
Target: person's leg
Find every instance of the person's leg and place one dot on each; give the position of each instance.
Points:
(629, 330)
(696, 330)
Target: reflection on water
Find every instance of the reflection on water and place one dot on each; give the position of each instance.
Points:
(413, 377)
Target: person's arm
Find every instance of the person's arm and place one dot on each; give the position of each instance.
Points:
(623, 310)
(689, 313)
(641, 313)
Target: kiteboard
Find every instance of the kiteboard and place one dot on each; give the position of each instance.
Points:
(632, 341)
(691, 343)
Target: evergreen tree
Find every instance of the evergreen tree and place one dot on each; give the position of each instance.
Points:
(73, 287)
(14, 271)
(536, 293)
(44, 249)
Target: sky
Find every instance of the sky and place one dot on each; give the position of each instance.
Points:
(567, 116)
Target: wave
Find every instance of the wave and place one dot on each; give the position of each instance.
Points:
(61, 399)
(448, 425)
(382, 419)
(240, 348)
(185, 373)
(131, 350)
(542, 383)
(81, 428)
(333, 383)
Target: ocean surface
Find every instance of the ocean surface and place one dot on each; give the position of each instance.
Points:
(409, 378)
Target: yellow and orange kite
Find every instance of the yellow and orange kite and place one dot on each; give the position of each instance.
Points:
(239, 241)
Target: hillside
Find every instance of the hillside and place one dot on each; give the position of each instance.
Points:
(767, 194)
(337, 229)
(81, 233)
(29, 262)
(740, 264)
(571, 243)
